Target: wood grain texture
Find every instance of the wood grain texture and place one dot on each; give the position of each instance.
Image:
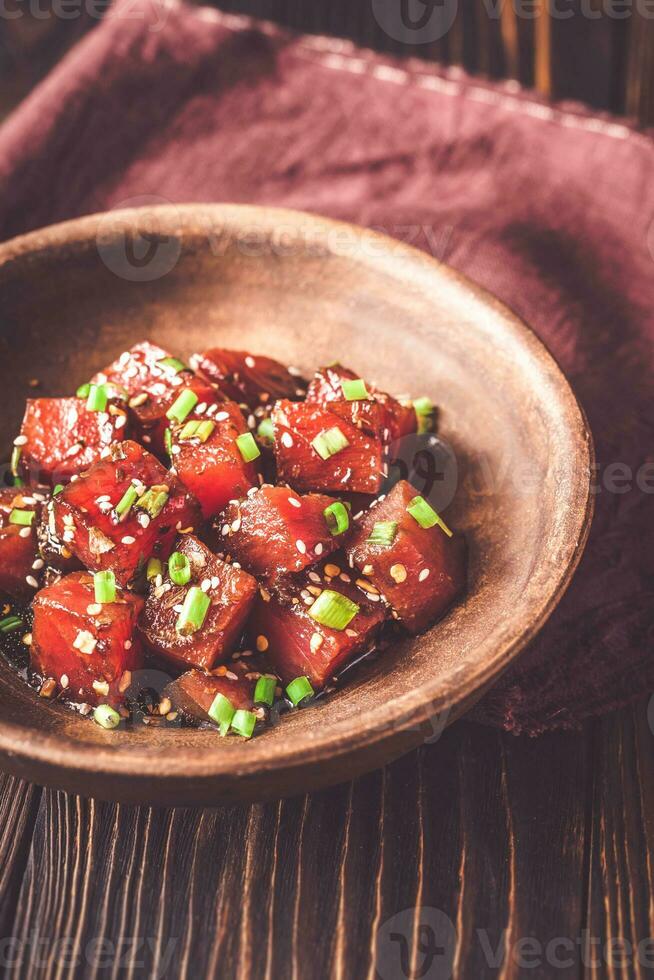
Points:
(538, 852)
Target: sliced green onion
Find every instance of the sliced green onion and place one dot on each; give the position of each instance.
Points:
(329, 442)
(168, 442)
(10, 624)
(243, 723)
(154, 568)
(425, 515)
(83, 390)
(23, 517)
(355, 390)
(57, 490)
(266, 431)
(264, 692)
(127, 501)
(222, 711)
(194, 611)
(247, 447)
(383, 533)
(298, 690)
(16, 453)
(106, 716)
(205, 429)
(334, 610)
(104, 584)
(153, 500)
(182, 406)
(172, 362)
(189, 430)
(179, 568)
(97, 400)
(196, 429)
(337, 517)
(424, 409)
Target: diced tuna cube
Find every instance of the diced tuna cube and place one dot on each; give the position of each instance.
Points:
(151, 381)
(251, 380)
(212, 638)
(207, 457)
(419, 570)
(124, 510)
(194, 692)
(318, 450)
(60, 437)
(286, 622)
(20, 565)
(275, 531)
(380, 411)
(87, 647)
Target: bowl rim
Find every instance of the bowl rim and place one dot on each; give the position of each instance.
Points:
(20, 746)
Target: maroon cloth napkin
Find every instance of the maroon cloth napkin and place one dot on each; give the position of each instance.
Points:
(549, 208)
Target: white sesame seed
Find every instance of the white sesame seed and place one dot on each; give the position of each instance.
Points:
(128, 644)
(74, 450)
(287, 440)
(423, 575)
(236, 525)
(38, 564)
(31, 581)
(143, 519)
(20, 441)
(101, 687)
(24, 532)
(178, 607)
(316, 642)
(201, 408)
(294, 502)
(301, 547)
(215, 581)
(249, 361)
(27, 639)
(222, 416)
(94, 609)
(351, 633)
(318, 548)
(120, 421)
(85, 642)
(63, 680)
(206, 584)
(128, 539)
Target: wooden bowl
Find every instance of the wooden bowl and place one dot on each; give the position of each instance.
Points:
(308, 291)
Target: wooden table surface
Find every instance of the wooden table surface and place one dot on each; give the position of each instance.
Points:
(482, 855)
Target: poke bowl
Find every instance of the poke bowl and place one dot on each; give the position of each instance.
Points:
(313, 569)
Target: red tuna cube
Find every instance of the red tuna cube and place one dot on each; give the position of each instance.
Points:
(194, 692)
(60, 437)
(151, 380)
(318, 450)
(419, 570)
(297, 644)
(275, 531)
(251, 380)
(231, 592)
(87, 647)
(52, 549)
(392, 418)
(122, 511)
(208, 460)
(20, 564)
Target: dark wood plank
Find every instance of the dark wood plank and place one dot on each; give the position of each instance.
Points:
(480, 834)
(19, 804)
(620, 915)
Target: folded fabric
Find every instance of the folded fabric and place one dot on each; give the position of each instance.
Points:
(548, 207)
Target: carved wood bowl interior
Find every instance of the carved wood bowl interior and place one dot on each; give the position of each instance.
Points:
(307, 291)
